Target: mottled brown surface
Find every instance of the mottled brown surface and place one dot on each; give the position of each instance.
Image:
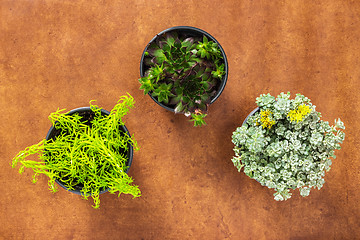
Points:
(61, 54)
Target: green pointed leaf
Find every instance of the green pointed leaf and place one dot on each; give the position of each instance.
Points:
(179, 107)
(199, 73)
(205, 98)
(170, 41)
(166, 48)
(205, 84)
(205, 77)
(159, 55)
(205, 40)
(179, 91)
(186, 44)
(177, 43)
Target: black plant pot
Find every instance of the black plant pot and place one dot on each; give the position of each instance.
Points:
(87, 113)
(250, 114)
(187, 31)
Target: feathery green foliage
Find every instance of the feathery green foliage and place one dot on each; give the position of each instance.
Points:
(89, 152)
(183, 73)
(285, 145)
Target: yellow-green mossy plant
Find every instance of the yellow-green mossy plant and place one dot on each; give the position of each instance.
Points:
(91, 153)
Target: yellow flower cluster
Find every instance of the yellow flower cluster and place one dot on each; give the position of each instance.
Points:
(300, 113)
(265, 119)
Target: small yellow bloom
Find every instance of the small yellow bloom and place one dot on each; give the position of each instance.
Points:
(265, 119)
(300, 113)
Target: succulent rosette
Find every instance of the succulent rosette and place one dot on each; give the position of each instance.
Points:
(184, 73)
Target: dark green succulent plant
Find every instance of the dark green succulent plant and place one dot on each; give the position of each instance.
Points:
(183, 73)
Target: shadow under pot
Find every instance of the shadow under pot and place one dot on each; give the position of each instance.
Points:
(87, 115)
(183, 69)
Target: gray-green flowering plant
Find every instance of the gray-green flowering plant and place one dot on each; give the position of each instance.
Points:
(285, 145)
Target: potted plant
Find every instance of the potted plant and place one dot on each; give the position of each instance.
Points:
(284, 144)
(87, 151)
(184, 70)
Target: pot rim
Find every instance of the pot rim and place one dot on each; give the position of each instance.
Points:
(250, 114)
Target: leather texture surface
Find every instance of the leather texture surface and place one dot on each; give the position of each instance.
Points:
(62, 54)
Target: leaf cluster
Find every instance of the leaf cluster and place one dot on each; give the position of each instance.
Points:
(183, 72)
(88, 153)
(293, 152)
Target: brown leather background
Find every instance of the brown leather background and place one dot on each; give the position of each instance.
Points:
(61, 54)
